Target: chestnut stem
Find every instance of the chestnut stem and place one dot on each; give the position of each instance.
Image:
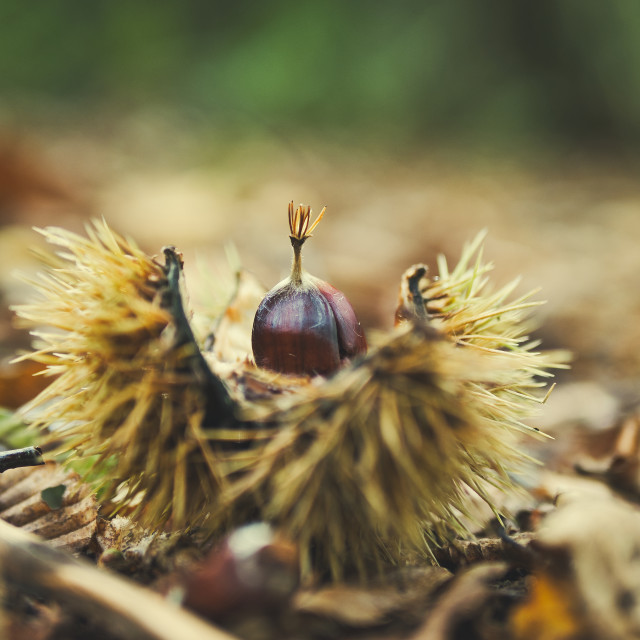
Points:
(296, 267)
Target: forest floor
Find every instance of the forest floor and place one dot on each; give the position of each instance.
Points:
(570, 226)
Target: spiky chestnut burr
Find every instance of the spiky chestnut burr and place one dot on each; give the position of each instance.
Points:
(305, 326)
(131, 391)
(358, 469)
(397, 446)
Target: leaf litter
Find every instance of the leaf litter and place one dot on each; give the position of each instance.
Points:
(562, 568)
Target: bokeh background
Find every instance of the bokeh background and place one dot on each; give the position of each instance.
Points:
(416, 123)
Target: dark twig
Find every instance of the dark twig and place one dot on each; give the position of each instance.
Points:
(219, 402)
(14, 458)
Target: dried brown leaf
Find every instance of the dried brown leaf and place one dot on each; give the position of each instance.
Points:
(108, 602)
(400, 597)
(464, 602)
(71, 527)
(587, 583)
(620, 469)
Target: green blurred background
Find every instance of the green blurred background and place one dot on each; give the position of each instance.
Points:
(417, 123)
(516, 76)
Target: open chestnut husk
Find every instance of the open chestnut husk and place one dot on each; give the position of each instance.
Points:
(305, 326)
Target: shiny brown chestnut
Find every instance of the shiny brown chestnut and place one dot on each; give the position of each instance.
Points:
(305, 326)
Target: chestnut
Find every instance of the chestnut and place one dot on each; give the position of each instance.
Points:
(305, 326)
(252, 570)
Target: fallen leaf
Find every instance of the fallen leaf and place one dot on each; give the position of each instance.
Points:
(587, 580)
(620, 468)
(403, 597)
(465, 605)
(34, 500)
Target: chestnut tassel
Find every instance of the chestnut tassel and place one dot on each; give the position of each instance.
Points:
(305, 326)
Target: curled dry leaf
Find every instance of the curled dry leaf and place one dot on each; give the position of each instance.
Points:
(620, 469)
(465, 609)
(587, 582)
(401, 599)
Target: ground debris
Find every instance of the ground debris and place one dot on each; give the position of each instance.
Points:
(71, 526)
(461, 553)
(471, 608)
(399, 600)
(586, 580)
(619, 467)
(106, 606)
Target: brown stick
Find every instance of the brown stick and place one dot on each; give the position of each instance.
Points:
(123, 608)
